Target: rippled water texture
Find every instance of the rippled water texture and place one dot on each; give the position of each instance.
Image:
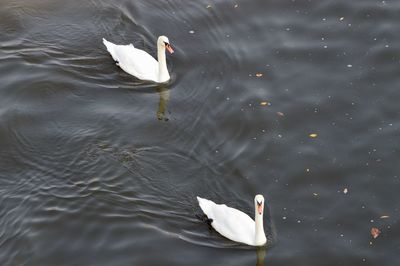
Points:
(99, 168)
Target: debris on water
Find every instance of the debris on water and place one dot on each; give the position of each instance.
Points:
(308, 170)
(349, 65)
(341, 19)
(384, 216)
(375, 232)
(258, 75)
(280, 113)
(313, 135)
(315, 194)
(208, 6)
(191, 31)
(345, 190)
(236, 6)
(264, 103)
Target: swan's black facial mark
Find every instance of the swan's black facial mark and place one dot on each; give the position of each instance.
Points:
(169, 47)
(259, 207)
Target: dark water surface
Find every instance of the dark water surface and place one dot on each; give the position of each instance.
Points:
(99, 168)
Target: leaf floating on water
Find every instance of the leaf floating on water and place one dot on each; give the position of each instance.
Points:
(375, 232)
(313, 135)
(263, 103)
(280, 113)
(259, 75)
(384, 216)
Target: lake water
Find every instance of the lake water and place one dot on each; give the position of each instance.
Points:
(296, 100)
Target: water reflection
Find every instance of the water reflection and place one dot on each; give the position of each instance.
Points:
(162, 105)
(261, 253)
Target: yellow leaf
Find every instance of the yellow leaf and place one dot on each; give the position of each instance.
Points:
(263, 103)
(313, 135)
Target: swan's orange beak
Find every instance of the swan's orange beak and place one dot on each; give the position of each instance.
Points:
(169, 48)
(259, 208)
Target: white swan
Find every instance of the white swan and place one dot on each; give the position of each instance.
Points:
(234, 224)
(139, 63)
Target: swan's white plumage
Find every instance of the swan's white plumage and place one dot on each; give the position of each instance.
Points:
(138, 62)
(230, 222)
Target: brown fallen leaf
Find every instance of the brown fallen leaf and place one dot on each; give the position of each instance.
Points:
(258, 75)
(375, 232)
(313, 135)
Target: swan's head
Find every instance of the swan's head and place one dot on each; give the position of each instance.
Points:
(164, 43)
(259, 203)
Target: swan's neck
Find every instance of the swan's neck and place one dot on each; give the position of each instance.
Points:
(163, 74)
(260, 235)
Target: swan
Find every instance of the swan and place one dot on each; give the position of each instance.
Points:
(139, 63)
(235, 224)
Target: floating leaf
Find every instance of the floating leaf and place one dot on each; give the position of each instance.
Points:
(264, 103)
(313, 135)
(375, 232)
(259, 75)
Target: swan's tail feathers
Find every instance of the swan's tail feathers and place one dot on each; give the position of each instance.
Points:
(205, 205)
(110, 48)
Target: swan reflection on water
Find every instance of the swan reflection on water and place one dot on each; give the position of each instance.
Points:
(162, 105)
(261, 253)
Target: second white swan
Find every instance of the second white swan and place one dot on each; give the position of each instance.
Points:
(139, 63)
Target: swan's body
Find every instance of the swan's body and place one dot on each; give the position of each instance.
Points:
(235, 224)
(139, 63)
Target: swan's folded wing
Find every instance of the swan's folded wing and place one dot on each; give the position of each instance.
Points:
(229, 222)
(137, 62)
(133, 61)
